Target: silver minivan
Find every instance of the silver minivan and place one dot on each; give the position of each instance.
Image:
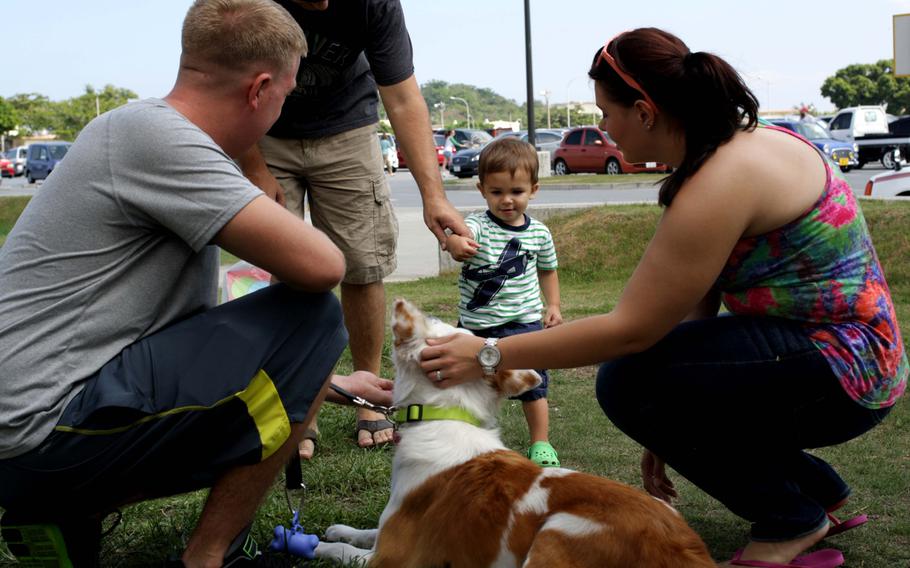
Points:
(17, 155)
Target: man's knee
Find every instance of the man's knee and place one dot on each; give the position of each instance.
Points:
(322, 309)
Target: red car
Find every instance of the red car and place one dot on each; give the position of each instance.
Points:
(589, 149)
(7, 167)
(439, 140)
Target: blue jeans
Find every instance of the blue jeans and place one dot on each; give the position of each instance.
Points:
(731, 403)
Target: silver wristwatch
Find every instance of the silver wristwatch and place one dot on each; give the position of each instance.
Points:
(489, 356)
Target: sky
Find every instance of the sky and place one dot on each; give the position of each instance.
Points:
(783, 49)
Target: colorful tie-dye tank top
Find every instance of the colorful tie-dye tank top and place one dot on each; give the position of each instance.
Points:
(821, 269)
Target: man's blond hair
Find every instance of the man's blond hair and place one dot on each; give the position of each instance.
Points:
(234, 34)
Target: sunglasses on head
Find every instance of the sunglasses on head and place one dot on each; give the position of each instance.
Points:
(605, 55)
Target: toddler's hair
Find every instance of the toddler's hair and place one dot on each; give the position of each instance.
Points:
(508, 154)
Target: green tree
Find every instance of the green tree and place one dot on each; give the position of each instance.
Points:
(35, 111)
(71, 116)
(66, 118)
(869, 84)
(9, 118)
(487, 106)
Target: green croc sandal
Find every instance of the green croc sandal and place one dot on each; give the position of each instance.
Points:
(543, 454)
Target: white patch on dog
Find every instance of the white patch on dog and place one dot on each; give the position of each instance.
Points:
(573, 525)
(535, 500)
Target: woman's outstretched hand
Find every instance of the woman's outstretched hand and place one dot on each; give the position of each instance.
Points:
(452, 360)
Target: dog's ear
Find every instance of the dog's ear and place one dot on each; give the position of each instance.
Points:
(512, 383)
(406, 319)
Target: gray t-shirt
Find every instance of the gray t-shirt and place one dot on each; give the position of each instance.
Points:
(113, 247)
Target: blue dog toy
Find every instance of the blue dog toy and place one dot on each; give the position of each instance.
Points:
(294, 541)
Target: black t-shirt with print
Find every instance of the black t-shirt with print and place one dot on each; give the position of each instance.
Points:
(352, 46)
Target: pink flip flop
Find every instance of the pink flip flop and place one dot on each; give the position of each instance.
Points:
(824, 558)
(838, 526)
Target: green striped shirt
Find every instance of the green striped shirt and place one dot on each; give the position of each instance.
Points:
(499, 284)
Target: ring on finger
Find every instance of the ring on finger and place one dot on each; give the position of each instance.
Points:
(439, 376)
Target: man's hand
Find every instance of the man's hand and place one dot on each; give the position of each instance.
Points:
(654, 477)
(255, 169)
(270, 186)
(363, 384)
(440, 215)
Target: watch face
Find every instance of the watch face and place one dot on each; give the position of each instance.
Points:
(488, 356)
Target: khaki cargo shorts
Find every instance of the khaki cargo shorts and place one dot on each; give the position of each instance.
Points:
(342, 179)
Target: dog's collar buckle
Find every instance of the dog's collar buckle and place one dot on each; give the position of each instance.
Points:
(413, 413)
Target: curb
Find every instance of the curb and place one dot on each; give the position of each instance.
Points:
(460, 186)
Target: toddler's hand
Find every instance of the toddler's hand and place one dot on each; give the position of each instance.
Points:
(461, 248)
(552, 317)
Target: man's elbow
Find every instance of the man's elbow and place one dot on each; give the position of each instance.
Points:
(317, 275)
(331, 271)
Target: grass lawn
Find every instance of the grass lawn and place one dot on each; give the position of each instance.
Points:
(598, 250)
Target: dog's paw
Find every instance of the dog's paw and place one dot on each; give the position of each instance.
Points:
(339, 533)
(364, 538)
(341, 553)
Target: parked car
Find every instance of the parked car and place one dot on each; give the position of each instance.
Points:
(7, 169)
(889, 184)
(18, 155)
(42, 158)
(439, 140)
(843, 154)
(589, 149)
(465, 162)
(468, 137)
(546, 139)
(901, 129)
(868, 127)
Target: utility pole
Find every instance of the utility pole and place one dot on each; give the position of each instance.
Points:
(546, 96)
(532, 138)
(442, 113)
(569, 104)
(467, 109)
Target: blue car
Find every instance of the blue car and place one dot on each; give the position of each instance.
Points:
(42, 157)
(843, 154)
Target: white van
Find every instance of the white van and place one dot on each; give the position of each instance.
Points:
(855, 122)
(18, 155)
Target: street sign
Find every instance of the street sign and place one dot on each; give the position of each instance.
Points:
(902, 45)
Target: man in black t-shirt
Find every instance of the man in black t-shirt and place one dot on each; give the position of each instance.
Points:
(323, 148)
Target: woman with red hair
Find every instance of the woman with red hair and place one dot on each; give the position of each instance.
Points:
(810, 353)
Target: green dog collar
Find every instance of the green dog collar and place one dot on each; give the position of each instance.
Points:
(421, 413)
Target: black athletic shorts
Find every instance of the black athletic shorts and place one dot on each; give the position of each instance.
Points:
(175, 410)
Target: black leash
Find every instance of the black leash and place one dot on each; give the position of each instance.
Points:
(364, 403)
(293, 474)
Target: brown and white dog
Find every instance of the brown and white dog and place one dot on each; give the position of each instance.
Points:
(461, 499)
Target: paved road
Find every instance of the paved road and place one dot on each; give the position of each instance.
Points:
(417, 248)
